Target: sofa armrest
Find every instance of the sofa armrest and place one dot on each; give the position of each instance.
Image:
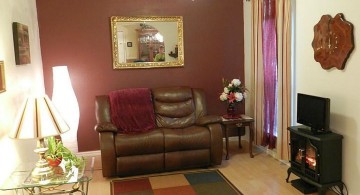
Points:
(105, 127)
(108, 154)
(208, 119)
(216, 140)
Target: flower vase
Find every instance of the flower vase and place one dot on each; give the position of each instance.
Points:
(231, 110)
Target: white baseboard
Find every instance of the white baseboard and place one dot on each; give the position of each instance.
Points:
(272, 153)
(269, 152)
(90, 153)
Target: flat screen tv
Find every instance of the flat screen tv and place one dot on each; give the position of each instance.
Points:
(313, 112)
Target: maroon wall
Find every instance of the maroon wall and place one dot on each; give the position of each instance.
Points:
(76, 33)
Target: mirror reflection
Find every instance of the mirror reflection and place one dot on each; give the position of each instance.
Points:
(147, 42)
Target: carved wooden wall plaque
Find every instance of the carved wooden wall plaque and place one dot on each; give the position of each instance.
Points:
(333, 41)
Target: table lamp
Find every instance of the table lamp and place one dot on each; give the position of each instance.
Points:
(37, 119)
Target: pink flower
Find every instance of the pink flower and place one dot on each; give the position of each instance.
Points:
(231, 97)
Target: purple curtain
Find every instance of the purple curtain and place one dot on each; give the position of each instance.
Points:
(270, 72)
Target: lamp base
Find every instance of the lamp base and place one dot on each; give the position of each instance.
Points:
(42, 173)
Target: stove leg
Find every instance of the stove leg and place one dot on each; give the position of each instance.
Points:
(289, 172)
(322, 191)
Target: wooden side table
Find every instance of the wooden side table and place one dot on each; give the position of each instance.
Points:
(240, 122)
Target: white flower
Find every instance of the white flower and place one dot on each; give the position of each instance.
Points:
(226, 90)
(245, 95)
(223, 97)
(236, 82)
(239, 96)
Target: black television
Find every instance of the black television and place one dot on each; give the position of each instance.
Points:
(313, 112)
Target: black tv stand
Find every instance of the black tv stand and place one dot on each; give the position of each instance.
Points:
(312, 131)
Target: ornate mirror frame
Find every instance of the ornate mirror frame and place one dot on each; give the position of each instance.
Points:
(130, 35)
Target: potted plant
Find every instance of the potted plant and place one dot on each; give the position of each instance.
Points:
(57, 153)
(54, 154)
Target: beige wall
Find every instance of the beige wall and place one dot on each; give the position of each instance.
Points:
(341, 86)
(20, 80)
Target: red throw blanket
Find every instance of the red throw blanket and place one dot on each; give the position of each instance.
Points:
(132, 110)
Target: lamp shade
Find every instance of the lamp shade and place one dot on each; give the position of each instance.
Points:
(38, 118)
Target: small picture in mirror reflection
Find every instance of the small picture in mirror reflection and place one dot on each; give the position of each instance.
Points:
(160, 56)
(129, 44)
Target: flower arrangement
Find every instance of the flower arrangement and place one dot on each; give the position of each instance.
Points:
(234, 91)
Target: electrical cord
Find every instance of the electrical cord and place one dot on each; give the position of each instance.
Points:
(337, 190)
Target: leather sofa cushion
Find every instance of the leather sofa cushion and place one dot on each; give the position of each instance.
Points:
(187, 159)
(191, 138)
(139, 164)
(174, 107)
(172, 94)
(141, 143)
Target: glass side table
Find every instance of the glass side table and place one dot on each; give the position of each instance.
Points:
(63, 182)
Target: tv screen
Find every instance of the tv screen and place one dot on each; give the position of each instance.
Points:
(314, 112)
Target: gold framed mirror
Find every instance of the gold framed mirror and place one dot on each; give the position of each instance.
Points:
(147, 42)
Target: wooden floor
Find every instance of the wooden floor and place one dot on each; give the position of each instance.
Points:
(261, 175)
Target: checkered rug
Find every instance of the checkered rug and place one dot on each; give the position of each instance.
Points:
(208, 182)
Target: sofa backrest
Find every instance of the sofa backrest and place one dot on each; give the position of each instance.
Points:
(102, 109)
(175, 107)
(178, 107)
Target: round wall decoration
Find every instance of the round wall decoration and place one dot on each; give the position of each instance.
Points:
(333, 41)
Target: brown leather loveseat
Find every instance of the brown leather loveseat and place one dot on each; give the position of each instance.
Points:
(184, 137)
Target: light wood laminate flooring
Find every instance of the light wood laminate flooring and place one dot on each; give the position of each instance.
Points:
(261, 175)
